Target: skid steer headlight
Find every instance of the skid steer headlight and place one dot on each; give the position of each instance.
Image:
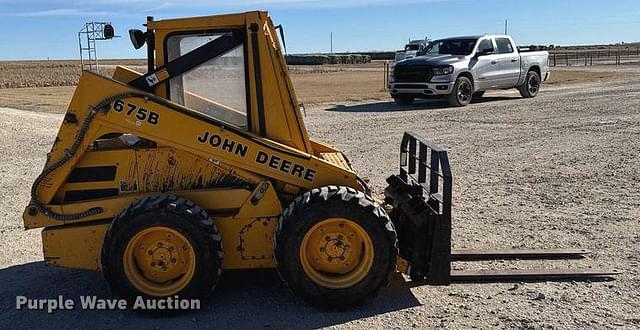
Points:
(442, 70)
(138, 38)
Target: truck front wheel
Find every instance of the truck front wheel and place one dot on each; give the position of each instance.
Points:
(462, 92)
(531, 85)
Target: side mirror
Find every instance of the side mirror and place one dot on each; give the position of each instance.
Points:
(138, 38)
(485, 51)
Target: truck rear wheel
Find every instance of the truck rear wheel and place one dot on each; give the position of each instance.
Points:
(531, 85)
(462, 92)
(335, 247)
(403, 100)
(162, 246)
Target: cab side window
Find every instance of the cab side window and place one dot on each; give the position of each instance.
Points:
(217, 87)
(485, 44)
(504, 46)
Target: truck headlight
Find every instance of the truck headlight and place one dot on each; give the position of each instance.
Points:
(442, 70)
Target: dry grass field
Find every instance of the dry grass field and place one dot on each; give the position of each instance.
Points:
(47, 86)
(557, 171)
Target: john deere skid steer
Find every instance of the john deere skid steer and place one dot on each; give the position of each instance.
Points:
(163, 180)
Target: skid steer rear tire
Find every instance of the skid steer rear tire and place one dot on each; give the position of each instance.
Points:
(177, 236)
(330, 227)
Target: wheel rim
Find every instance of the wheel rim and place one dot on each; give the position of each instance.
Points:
(534, 84)
(159, 261)
(464, 92)
(336, 253)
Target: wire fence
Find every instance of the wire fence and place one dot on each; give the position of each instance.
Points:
(620, 56)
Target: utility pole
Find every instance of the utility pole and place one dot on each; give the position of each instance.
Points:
(506, 26)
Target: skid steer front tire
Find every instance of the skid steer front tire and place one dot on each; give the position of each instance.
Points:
(162, 246)
(335, 247)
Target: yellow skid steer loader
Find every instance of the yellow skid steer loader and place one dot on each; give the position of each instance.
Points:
(165, 179)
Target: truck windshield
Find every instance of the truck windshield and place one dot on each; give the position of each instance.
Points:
(450, 47)
(412, 47)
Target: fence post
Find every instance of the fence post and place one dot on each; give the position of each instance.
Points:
(585, 58)
(386, 75)
(554, 59)
(618, 58)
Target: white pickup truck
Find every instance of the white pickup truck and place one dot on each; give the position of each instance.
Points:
(465, 67)
(412, 49)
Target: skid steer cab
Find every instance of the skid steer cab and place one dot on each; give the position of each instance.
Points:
(202, 164)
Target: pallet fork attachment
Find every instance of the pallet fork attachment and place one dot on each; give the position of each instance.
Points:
(421, 200)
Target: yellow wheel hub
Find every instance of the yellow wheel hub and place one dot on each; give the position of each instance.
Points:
(159, 261)
(336, 253)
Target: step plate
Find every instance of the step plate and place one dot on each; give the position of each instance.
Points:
(472, 254)
(509, 275)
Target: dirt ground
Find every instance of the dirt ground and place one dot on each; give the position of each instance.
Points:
(560, 170)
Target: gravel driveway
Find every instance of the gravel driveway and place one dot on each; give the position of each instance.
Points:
(560, 170)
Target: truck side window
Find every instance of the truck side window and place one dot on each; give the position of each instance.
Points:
(504, 46)
(485, 44)
(217, 87)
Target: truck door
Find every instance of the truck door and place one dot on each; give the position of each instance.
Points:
(509, 62)
(485, 65)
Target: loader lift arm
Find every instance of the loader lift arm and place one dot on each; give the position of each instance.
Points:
(421, 198)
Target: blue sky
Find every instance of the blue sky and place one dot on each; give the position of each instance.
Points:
(36, 29)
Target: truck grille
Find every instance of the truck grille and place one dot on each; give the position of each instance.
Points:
(412, 73)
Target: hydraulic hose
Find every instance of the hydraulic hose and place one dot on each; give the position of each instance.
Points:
(103, 107)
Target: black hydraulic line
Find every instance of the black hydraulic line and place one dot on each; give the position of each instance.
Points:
(103, 106)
